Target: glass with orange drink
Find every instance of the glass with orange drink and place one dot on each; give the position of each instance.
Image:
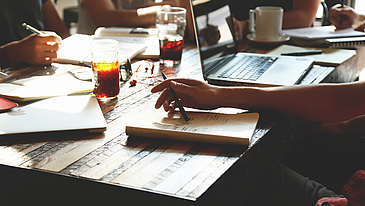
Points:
(105, 67)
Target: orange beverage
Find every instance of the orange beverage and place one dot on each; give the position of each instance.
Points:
(106, 79)
(171, 49)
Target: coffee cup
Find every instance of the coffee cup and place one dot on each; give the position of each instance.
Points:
(266, 22)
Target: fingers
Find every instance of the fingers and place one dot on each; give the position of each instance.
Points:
(361, 27)
(164, 98)
(51, 37)
(180, 86)
(237, 29)
(160, 87)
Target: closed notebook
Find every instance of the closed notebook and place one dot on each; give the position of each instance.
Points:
(69, 113)
(326, 37)
(218, 128)
(6, 104)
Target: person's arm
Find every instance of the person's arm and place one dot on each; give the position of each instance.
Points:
(351, 126)
(348, 17)
(104, 13)
(323, 103)
(303, 14)
(240, 29)
(52, 20)
(36, 49)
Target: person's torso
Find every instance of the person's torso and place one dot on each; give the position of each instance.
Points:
(16, 12)
(86, 25)
(241, 8)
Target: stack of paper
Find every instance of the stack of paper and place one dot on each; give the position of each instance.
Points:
(326, 37)
(77, 48)
(41, 87)
(218, 128)
(145, 36)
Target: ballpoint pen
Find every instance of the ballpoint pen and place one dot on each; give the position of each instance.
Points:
(302, 53)
(2, 73)
(341, 14)
(30, 28)
(181, 108)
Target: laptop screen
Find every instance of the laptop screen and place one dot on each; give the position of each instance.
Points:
(214, 30)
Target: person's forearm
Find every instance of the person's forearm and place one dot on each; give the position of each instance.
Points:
(52, 21)
(296, 19)
(325, 103)
(360, 20)
(9, 55)
(303, 14)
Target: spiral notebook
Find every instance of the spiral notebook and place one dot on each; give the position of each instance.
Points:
(326, 37)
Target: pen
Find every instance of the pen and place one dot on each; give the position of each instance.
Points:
(302, 53)
(340, 14)
(2, 73)
(32, 29)
(181, 108)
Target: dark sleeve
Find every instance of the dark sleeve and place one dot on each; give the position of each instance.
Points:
(241, 8)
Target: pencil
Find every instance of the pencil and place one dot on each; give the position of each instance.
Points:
(30, 28)
(341, 15)
(181, 108)
(2, 73)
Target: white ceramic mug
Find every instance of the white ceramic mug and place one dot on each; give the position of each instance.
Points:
(265, 22)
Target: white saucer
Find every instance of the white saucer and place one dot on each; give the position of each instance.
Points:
(282, 38)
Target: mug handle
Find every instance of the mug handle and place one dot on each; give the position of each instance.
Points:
(252, 20)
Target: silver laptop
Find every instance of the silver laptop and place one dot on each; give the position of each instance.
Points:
(67, 113)
(223, 65)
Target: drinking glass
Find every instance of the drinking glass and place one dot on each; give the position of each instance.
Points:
(105, 67)
(171, 23)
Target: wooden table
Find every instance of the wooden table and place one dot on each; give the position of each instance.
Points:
(110, 168)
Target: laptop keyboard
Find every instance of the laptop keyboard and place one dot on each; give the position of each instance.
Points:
(247, 67)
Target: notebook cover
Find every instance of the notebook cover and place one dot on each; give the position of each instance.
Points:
(6, 104)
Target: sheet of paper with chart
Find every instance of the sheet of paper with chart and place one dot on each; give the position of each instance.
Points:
(219, 128)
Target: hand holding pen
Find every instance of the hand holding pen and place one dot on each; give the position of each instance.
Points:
(342, 16)
(39, 48)
(177, 101)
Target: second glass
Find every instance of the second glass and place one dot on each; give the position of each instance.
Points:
(171, 23)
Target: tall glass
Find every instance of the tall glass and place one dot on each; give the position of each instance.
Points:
(105, 67)
(171, 23)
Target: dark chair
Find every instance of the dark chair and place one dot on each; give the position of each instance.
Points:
(70, 14)
(325, 18)
(327, 4)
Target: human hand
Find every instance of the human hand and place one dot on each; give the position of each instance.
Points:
(348, 15)
(361, 27)
(39, 49)
(240, 29)
(192, 93)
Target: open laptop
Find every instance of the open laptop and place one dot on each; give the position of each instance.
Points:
(66, 113)
(223, 65)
